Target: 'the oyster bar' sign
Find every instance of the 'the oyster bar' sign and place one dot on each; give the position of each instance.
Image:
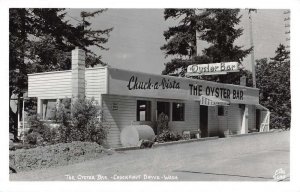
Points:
(129, 83)
(212, 68)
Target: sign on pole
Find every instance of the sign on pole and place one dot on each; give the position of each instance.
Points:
(212, 68)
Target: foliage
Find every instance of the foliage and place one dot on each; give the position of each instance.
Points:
(164, 132)
(167, 135)
(40, 40)
(162, 122)
(83, 124)
(41, 131)
(31, 138)
(273, 80)
(215, 26)
(181, 38)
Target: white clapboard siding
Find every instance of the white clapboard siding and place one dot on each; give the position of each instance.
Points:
(58, 84)
(191, 120)
(235, 119)
(95, 82)
(50, 84)
(230, 122)
(126, 115)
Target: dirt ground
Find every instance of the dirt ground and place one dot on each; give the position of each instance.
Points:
(246, 158)
(54, 155)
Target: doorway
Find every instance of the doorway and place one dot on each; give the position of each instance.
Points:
(204, 120)
(258, 120)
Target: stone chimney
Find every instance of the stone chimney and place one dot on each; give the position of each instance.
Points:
(78, 73)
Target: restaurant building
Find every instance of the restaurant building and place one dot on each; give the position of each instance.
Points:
(134, 98)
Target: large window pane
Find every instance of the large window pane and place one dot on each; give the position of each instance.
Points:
(163, 107)
(178, 112)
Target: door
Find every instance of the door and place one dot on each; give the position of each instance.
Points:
(204, 120)
(257, 120)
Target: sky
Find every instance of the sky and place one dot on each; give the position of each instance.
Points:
(137, 36)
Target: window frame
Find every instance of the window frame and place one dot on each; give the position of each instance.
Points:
(148, 110)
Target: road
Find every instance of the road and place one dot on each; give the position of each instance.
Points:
(245, 158)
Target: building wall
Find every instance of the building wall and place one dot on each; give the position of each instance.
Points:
(95, 82)
(50, 85)
(125, 115)
(58, 84)
(231, 122)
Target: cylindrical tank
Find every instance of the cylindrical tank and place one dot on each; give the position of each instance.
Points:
(131, 135)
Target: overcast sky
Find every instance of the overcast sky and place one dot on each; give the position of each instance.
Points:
(137, 36)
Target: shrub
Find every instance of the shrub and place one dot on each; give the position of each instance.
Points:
(83, 123)
(168, 135)
(31, 138)
(165, 134)
(162, 123)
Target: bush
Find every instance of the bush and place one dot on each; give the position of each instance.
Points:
(31, 138)
(162, 123)
(165, 134)
(168, 135)
(83, 123)
(40, 130)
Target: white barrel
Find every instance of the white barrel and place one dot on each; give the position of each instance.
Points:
(131, 135)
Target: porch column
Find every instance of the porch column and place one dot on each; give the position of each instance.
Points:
(244, 128)
(39, 106)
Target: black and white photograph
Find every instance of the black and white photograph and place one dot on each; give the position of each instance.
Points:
(155, 95)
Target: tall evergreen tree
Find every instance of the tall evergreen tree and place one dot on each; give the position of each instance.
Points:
(215, 26)
(41, 40)
(273, 80)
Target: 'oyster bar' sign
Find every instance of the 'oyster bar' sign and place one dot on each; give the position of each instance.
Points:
(129, 83)
(212, 68)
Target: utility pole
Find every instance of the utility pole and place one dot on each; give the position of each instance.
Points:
(287, 26)
(252, 52)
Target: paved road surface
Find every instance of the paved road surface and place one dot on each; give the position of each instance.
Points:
(244, 158)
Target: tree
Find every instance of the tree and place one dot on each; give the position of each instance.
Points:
(273, 80)
(217, 27)
(41, 40)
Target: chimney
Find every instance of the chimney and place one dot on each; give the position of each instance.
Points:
(243, 80)
(78, 73)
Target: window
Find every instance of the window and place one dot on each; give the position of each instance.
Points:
(242, 106)
(48, 108)
(143, 110)
(163, 107)
(178, 112)
(220, 110)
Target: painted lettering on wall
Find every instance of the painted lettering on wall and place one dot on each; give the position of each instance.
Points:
(218, 92)
(134, 83)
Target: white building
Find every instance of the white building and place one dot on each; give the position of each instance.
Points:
(133, 98)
